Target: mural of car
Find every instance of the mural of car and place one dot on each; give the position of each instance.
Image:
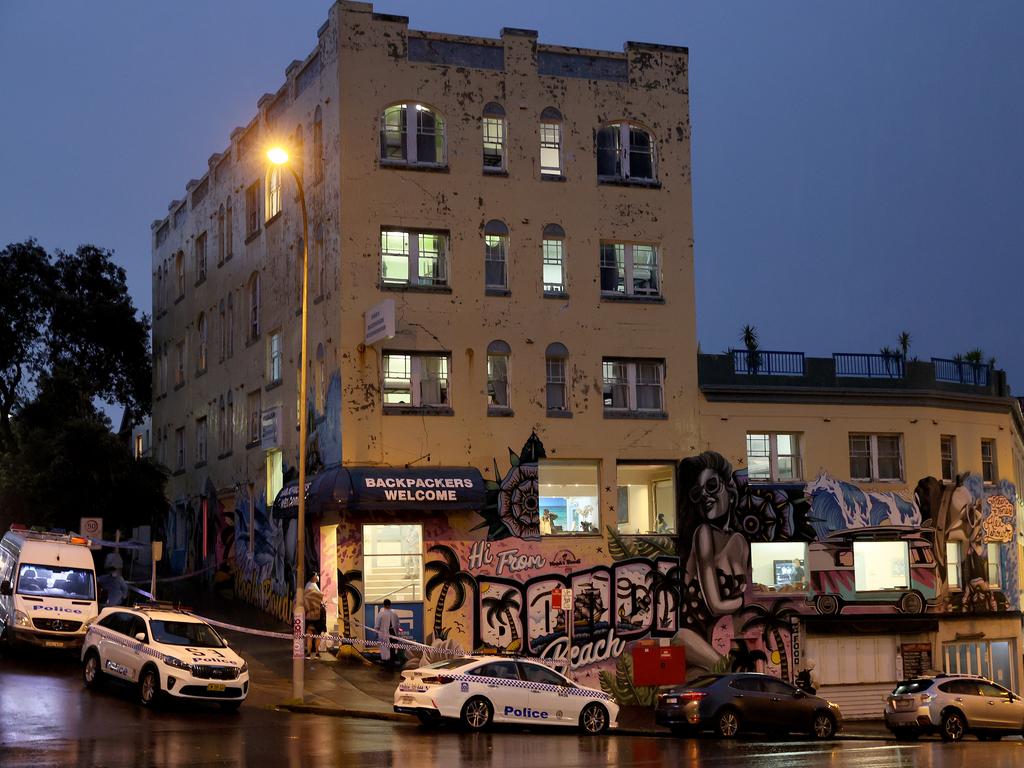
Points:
(833, 572)
(480, 690)
(737, 703)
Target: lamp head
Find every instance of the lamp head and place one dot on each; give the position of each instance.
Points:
(277, 155)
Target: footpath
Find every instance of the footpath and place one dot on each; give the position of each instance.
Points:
(350, 686)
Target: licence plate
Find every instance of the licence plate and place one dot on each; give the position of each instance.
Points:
(54, 644)
(407, 699)
(904, 704)
(215, 687)
(671, 700)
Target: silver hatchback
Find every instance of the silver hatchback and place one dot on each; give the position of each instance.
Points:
(953, 706)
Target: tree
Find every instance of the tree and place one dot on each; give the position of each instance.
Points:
(666, 592)
(749, 338)
(903, 341)
(499, 609)
(447, 575)
(771, 621)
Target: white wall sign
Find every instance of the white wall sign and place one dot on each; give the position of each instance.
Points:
(380, 322)
(270, 428)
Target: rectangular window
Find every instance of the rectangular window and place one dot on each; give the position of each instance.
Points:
(179, 448)
(569, 497)
(554, 271)
(497, 381)
(953, 564)
(410, 257)
(550, 149)
(494, 143)
(275, 355)
(201, 437)
(495, 254)
(273, 206)
(988, 460)
(179, 371)
(138, 446)
(629, 269)
(647, 498)
(876, 458)
(201, 257)
(947, 446)
(774, 457)
(881, 565)
(254, 417)
(415, 380)
(779, 566)
(392, 563)
(252, 209)
(556, 384)
(995, 567)
(275, 474)
(633, 385)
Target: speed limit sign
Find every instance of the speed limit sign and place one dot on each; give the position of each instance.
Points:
(91, 528)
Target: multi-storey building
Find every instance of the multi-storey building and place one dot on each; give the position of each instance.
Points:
(502, 340)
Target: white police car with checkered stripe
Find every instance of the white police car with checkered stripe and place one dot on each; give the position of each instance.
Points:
(164, 651)
(479, 690)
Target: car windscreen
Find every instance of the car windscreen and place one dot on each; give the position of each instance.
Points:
(703, 682)
(191, 633)
(912, 686)
(56, 581)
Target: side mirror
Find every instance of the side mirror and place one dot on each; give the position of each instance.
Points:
(226, 643)
(799, 693)
(5, 588)
(140, 636)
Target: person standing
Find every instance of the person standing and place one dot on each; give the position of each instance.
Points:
(387, 628)
(113, 585)
(316, 621)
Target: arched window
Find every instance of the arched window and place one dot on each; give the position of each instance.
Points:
(551, 143)
(321, 384)
(412, 134)
(556, 358)
(223, 331)
(318, 145)
(202, 333)
(625, 151)
(229, 326)
(200, 257)
(495, 255)
(553, 252)
(272, 205)
(229, 231)
(498, 353)
(221, 245)
(254, 306)
(179, 273)
(493, 124)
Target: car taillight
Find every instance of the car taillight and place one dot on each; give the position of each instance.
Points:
(693, 695)
(435, 680)
(927, 698)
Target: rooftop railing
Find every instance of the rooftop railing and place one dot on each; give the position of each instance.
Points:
(961, 372)
(868, 366)
(764, 362)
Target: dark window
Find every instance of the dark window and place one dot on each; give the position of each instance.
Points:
(778, 687)
(535, 673)
(962, 687)
(506, 670)
(119, 622)
(912, 686)
(746, 684)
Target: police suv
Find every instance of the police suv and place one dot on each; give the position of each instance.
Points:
(165, 651)
(479, 690)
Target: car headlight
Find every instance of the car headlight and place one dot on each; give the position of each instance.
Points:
(177, 663)
(21, 619)
(245, 668)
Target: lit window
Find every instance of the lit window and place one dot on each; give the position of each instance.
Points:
(875, 458)
(495, 255)
(568, 497)
(493, 126)
(200, 250)
(392, 563)
(625, 152)
(273, 206)
(275, 356)
(497, 375)
(415, 380)
(553, 250)
(881, 565)
(629, 269)
(774, 456)
(138, 446)
(275, 474)
(947, 446)
(988, 460)
(201, 438)
(953, 564)
(633, 385)
(779, 566)
(995, 566)
(414, 258)
(554, 362)
(412, 134)
(551, 142)
(646, 498)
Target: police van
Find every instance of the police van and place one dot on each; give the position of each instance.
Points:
(47, 589)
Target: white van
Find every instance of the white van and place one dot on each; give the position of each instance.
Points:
(47, 589)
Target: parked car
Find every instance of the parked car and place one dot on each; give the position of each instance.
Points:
(164, 651)
(953, 706)
(738, 703)
(479, 690)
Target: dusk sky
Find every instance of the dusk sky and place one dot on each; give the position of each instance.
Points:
(857, 167)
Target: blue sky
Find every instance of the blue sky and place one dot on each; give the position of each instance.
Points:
(857, 166)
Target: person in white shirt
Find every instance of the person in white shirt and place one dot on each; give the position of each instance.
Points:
(316, 622)
(387, 627)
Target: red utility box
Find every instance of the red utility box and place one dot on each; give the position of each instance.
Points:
(659, 665)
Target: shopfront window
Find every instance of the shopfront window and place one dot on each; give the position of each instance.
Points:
(393, 563)
(779, 566)
(569, 499)
(879, 565)
(647, 498)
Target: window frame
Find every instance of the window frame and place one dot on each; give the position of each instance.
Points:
(873, 457)
(553, 240)
(179, 274)
(179, 371)
(894, 588)
(557, 355)
(202, 440)
(254, 416)
(498, 352)
(624, 151)
(274, 202)
(774, 455)
(179, 449)
(594, 464)
(496, 253)
(252, 209)
(409, 134)
(497, 141)
(953, 566)
(417, 377)
(203, 337)
(551, 122)
(994, 565)
(947, 457)
(275, 357)
(989, 466)
(199, 249)
(654, 467)
(413, 258)
(629, 288)
(632, 382)
(254, 306)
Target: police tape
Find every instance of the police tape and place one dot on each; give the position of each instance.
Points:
(182, 577)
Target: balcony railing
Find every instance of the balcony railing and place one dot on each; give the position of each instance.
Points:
(767, 363)
(868, 366)
(961, 372)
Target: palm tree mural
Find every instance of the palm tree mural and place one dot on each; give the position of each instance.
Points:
(742, 659)
(447, 576)
(346, 590)
(499, 610)
(665, 590)
(771, 621)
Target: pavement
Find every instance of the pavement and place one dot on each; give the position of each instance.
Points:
(350, 685)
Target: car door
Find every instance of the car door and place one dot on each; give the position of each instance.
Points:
(500, 684)
(748, 696)
(787, 708)
(1003, 709)
(551, 696)
(114, 655)
(966, 695)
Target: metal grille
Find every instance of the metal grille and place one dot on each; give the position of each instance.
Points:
(57, 625)
(208, 672)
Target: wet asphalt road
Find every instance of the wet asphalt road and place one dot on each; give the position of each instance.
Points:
(48, 719)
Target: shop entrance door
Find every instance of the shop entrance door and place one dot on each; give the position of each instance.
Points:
(992, 659)
(393, 570)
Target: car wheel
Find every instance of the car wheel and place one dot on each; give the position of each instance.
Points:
(912, 602)
(594, 718)
(477, 713)
(230, 706)
(827, 605)
(953, 726)
(905, 734)
(727, 724)
(149, 687)
(92, 675)
(823, 726)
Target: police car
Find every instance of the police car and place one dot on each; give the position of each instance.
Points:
(479, 690)
(164, 651)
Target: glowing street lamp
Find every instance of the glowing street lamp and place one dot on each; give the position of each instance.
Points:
(279, 156)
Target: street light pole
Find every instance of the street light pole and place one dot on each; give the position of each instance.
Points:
(280, 157)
